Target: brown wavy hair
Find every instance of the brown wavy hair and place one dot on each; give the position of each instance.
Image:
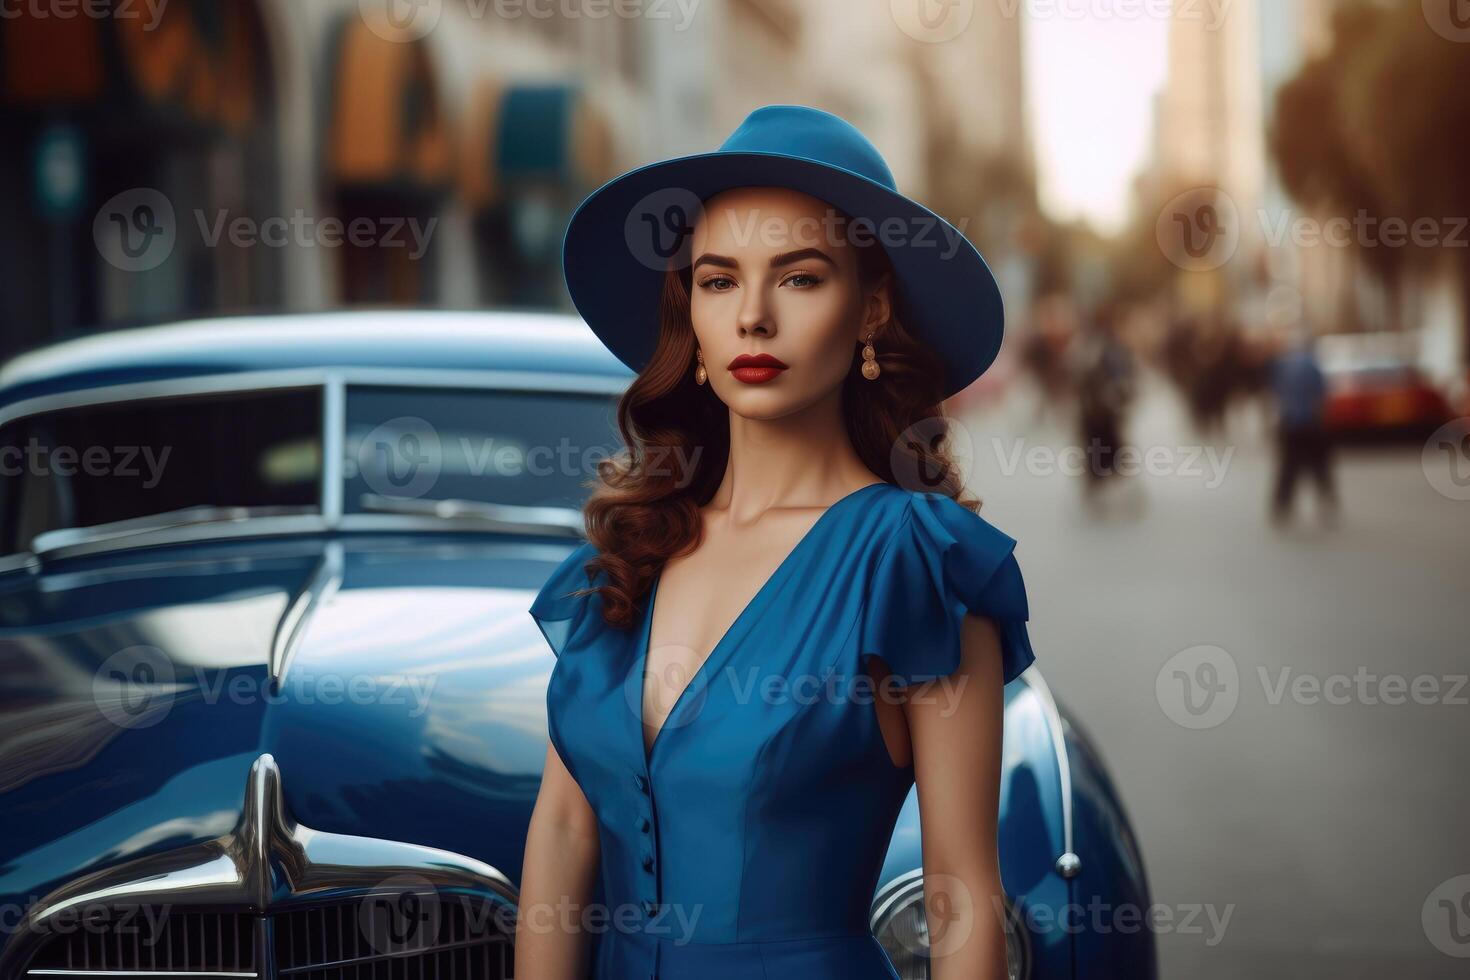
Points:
(644, 509)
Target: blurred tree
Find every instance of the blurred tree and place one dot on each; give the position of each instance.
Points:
(1377, 124)
(1312, 139)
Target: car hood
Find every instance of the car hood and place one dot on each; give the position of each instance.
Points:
(399, 686)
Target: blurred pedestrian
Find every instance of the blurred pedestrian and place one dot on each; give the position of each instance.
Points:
(1105, 390)
(1303, 443)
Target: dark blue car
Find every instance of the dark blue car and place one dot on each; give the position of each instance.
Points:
(272, 705)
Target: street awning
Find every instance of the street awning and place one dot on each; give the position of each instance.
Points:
(544, 134)
(388, 122)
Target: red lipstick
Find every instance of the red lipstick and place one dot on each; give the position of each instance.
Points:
(755, 369)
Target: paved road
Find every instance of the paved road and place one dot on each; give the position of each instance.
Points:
(1322, 820)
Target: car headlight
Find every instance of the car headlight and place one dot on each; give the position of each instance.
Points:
(902, 928)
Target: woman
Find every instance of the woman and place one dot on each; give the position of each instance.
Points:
(771, 633)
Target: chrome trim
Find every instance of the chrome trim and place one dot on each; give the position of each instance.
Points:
(325, 579)
(61, 538)
(334, 439)
(248, 526)
(481, 514)
(240, 869)
(892, 892)
(19, 560)
(901, 888)
(44, 972)
(1068, 858)
(550, 382)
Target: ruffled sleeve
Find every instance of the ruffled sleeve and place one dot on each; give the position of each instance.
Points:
(557, 611)
(943, 561)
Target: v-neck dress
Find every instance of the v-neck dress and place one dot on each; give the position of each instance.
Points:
(748, 841)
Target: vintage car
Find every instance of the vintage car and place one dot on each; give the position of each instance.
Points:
(272, 702)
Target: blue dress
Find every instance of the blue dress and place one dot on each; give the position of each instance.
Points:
(749, 840)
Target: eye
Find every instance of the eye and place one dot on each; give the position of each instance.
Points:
(713, 281)
(804, 280)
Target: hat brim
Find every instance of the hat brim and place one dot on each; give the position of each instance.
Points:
(614, 254)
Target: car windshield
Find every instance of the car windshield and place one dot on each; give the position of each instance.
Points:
(128, 461)
(140, 464)
(521, 448)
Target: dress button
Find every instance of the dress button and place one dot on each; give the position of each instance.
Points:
(648, 862)
(642, 782)
(643, 825)
(650, 908)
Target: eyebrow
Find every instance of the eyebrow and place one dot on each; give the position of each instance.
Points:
(785, 258)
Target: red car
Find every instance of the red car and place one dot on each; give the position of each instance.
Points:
(1375, 387)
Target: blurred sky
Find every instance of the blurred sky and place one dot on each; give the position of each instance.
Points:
(1092, 81)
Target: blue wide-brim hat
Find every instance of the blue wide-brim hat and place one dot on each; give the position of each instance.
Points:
(620, 240)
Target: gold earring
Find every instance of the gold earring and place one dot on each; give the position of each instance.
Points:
(700, 374)
(871, 370)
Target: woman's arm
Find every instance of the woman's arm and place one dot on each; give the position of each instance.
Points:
(955, 725)
(558, 877)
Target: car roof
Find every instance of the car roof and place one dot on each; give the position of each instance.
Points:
(369, 338)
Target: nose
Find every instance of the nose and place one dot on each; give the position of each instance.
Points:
(755, 314)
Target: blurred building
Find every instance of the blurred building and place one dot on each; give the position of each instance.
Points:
(303, 154)
(220, 159)
(1210, 133)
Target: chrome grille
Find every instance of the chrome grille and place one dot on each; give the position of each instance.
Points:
(152, 941)
(462, 940)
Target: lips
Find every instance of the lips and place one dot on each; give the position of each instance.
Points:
(756, 368)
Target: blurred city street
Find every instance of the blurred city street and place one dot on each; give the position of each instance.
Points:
(1319, 822)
